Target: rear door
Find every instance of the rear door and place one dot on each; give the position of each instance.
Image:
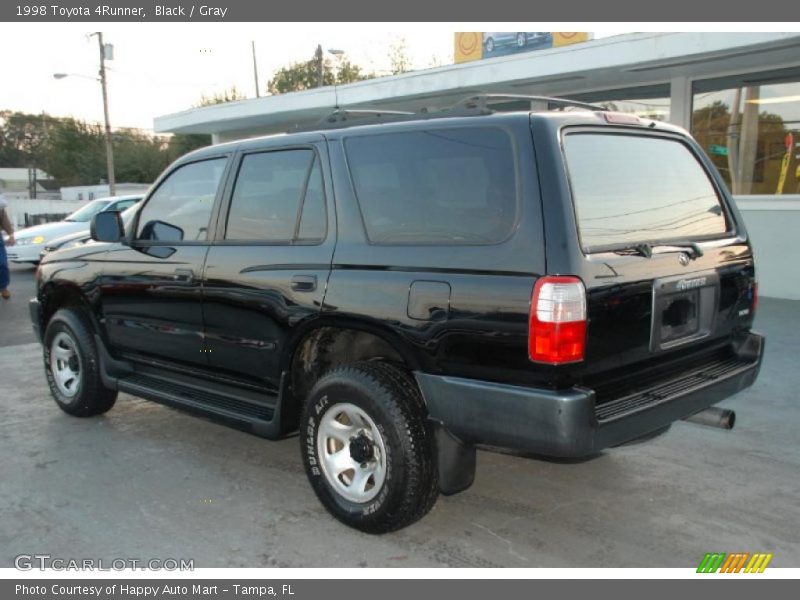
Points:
(267, 271)
(667, 268)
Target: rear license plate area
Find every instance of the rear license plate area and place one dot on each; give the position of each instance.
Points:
(679, 314)
(683, 309)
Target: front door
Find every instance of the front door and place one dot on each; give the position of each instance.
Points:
(151, 290)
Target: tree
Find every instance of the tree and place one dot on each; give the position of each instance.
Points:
(230, 95)
(304, 75)
(23, 138)
(181, 143)
(399, 62)
(73, 152)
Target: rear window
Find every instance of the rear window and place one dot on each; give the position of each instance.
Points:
(441, 186)
(633, 188)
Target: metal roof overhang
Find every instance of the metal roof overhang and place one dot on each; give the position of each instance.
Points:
(629, 60)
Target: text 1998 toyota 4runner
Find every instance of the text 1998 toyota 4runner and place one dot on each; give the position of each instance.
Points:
(401, 288)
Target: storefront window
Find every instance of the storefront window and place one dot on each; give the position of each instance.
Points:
(651, 102)
(750, 127)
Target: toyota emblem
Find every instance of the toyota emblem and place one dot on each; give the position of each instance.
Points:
(683, 259)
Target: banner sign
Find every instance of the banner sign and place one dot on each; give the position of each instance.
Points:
(472, 45)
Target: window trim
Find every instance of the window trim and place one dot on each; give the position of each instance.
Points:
(509, 133)
(317, 160)
(723, 199)
(137, 243)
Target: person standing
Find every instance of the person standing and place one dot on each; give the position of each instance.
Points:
(8, 227)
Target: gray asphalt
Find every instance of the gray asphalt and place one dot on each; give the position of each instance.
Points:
(15, 324)
(145, 481)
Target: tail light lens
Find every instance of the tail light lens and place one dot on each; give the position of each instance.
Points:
(557, 321)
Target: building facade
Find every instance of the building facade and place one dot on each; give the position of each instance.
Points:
(738, 93)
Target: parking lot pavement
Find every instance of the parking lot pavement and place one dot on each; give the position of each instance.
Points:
(145, 481)
(15, 322)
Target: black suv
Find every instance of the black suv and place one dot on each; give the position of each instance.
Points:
(403, 288)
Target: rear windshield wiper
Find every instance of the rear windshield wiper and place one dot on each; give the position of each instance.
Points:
(641, 249)
(646, 249)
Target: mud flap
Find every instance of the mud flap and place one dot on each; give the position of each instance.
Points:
(454, 460)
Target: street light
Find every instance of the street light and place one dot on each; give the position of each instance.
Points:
(63, 75)
(106, 52)
(319, 55)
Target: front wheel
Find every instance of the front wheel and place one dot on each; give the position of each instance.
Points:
(72, 365)
(366, 448)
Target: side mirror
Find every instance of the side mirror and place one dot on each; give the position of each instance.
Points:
(161, 231)
(107, 227)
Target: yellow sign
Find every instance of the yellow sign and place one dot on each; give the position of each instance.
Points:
(468, 46)
(564, 38)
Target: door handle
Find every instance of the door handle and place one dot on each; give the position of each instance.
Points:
(304, 283)
(183, 276)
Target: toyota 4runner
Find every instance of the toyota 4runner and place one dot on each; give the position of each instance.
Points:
(401, 288)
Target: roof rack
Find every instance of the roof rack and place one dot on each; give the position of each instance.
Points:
(481, 101)
(341, 118)
(469, 107)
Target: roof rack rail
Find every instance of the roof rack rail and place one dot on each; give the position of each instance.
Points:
(344, 117)
(481, 102)
(475, 105)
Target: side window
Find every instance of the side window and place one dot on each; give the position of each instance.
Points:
(125, 204)
(440, 186)
(278, 197)
(313, 218)
(180, 209)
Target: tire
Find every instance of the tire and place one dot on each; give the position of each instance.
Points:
(395, 464)
(70, 350)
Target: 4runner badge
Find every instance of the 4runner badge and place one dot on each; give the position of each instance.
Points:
(683, 258)
(691, 284)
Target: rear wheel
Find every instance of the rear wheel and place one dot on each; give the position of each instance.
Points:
(72, 366)
(366, 448)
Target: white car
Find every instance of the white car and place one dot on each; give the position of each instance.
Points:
(32, 241)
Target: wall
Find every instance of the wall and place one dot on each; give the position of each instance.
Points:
(774, 226)
(101, 191)
(17, 207)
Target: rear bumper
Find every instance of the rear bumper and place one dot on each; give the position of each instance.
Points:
(565, 423)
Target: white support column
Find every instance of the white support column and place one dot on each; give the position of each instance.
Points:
(215, 138)
(680, 105)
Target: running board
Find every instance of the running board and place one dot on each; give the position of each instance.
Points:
(258, 412)
(233, 408)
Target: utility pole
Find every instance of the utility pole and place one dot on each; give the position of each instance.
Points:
(112, 186)
(319, 56)
(255, 68)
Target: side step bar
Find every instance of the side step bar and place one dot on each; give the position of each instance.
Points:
(258, 413)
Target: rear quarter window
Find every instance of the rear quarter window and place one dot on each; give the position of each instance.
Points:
(635, 188)
(441, 186)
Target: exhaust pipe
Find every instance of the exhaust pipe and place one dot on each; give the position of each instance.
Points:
(714, 417)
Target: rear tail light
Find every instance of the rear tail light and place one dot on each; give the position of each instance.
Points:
(557, 321)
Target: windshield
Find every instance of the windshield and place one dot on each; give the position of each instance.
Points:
(85, 213)
(631, 189)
